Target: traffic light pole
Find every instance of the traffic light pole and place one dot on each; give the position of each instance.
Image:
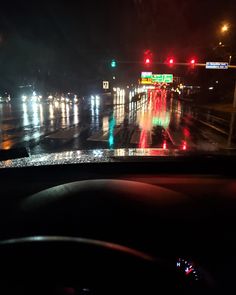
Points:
(163, 63)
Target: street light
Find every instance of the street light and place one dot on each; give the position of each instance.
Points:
(224, 28)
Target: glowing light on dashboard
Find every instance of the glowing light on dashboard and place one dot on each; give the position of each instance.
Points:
(188, 269)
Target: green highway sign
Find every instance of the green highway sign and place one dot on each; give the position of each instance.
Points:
(162, 78)
(146, 75)
(150, 78)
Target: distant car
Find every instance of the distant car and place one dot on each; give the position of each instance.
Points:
(50, 98)
(24, 98)
(75, 99)
(31, 97)
(71, 98)
(5, 98)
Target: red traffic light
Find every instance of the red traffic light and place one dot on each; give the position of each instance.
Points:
(170, 61)
(148, 56)
(147, 61)
(192, 61)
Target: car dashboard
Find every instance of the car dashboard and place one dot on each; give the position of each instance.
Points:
(192, 227)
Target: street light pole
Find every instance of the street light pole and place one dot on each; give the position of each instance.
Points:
(224, 30)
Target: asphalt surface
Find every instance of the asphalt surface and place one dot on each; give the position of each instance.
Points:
(149, 120)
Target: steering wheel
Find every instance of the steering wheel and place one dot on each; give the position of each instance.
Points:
(122, 212)
(69, 265)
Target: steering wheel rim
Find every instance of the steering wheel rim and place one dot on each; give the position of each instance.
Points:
(121, 266)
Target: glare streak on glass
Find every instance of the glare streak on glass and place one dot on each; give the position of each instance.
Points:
(63, 114)
(25, 114)
(1, 111)
(76, 114)
(35, 109)
(178, 114)
(119, 107)
(56, 103)
(97, 101)
(92, 109)
(41, 113)
(67, 115)
(97, 108)
(130, 96)
(95, 111)
(51, 111)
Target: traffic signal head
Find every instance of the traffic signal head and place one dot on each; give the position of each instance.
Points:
(148, 56)
(147, 61)
(113, 63)
(170, 61)
(192, 62)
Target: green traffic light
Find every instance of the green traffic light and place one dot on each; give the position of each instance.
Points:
(113, 64)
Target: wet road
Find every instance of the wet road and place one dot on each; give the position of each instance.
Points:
(151, 119)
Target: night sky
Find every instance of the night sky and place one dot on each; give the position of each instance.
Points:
(62, 45)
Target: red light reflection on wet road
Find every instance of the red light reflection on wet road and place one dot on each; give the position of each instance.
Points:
(156, 115)
(143, 142)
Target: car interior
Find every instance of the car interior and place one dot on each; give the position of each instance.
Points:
(135, 226)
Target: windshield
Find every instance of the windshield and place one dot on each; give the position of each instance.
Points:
(117, 75)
